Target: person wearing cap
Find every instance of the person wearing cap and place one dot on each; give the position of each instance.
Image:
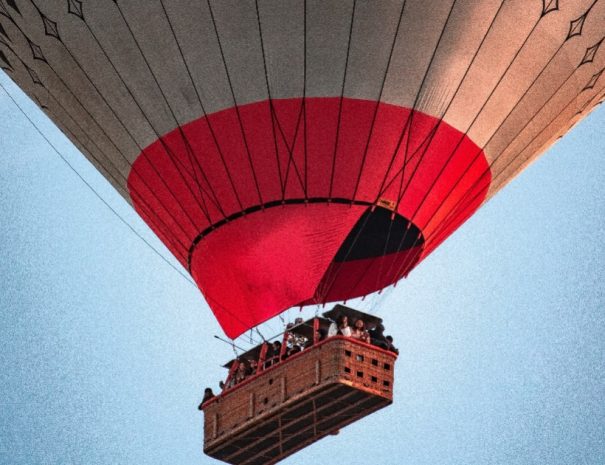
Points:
(208, 394)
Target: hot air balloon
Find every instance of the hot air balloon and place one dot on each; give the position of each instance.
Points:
(276, 402)
(295, 152)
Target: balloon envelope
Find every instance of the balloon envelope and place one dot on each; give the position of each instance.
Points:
(292, 152)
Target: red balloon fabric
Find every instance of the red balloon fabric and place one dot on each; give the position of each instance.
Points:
(302, 203)
(299, 152)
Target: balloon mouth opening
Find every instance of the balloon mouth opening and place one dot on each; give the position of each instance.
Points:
(380, 249)
(379, 232)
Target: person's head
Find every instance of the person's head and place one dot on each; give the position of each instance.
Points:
(276, 346)
(342, 321)
(321, 334)
(390, 339)
(253, 364)
(208, 392)
(379, 328)
(359, 324)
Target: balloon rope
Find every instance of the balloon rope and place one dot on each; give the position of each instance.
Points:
(432, 134)
(184, 138)
(231, 343)
(304, 97)
(134, 168)
(434, 130)
(274, 120)
(406, 263)
(404, 130)
(161, 226)
(94, 191)
(342, 92)
(169, 154)
(205, 114)
(203, 207)
(377, 105)
(269, 97)
(239, 117)
(457, 210)
(260, 334)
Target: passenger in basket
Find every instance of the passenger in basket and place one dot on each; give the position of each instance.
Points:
(269, 356)
(378, 338)
(253, 367)
(359, 331)
(340, 327)
(230, 382)
(240, 373)
(208, 394)
(276, 352)
(293, 350)
(293, 339)
(250, 365)
(391, 347)
(320, 335)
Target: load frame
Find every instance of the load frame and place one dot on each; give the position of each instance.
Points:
(295, 402)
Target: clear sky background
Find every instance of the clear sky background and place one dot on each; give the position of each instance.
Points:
(105, 349)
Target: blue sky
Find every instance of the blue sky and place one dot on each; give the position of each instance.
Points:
(105, 350)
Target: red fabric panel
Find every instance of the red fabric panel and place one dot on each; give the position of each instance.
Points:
(356, 278)
(269, 261)
(209, 169)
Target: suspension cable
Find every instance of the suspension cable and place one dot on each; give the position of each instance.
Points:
(93, 190)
